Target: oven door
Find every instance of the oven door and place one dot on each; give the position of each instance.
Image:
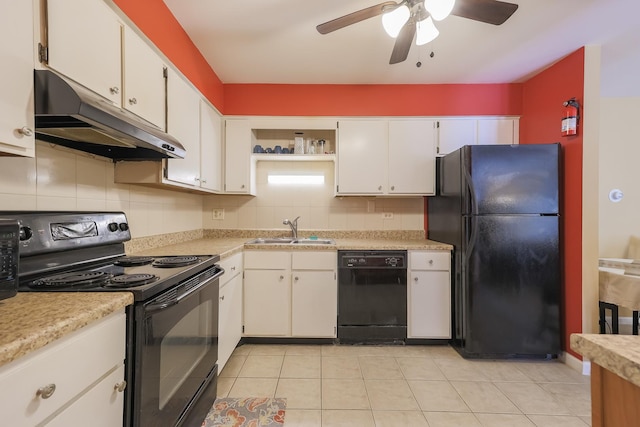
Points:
(176, 353)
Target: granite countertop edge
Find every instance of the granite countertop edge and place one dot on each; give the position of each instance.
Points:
(31, 320)
(619, 354)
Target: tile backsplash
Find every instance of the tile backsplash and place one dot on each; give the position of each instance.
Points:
(315, 204)
(63, 179)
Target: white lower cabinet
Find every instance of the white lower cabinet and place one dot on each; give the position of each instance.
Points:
(267, 293)
(314, 294)
(429, 295)
(229, 308)
(74, 380)
(290, 294)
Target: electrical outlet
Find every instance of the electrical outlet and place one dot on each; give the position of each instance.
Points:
(218, 213)
(387, 215)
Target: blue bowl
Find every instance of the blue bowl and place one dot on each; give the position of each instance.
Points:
(258, 149)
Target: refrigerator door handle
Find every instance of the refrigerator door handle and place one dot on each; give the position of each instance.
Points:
(470, 190)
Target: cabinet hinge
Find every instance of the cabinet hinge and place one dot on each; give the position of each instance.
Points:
(243, 329)
(438, 125)
(165, 172)
(43, 53)
(337, 188)
(335, 277)
(165, 72)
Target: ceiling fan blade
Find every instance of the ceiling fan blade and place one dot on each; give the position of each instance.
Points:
(489, 11)
(403, 42)
(355, 17)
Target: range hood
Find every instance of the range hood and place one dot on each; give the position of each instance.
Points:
(71, 115)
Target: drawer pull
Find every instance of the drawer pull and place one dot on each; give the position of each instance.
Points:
(46, 391)
(119, 387)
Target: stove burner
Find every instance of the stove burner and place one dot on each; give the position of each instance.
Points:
(75, 279)
(131, 261)
(131, 280)
(175, 261)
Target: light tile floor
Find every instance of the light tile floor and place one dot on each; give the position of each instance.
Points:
(406, 386)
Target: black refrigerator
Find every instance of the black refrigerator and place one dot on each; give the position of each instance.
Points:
(499, 206)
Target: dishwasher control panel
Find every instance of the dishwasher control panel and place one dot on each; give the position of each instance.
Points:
(372, 259)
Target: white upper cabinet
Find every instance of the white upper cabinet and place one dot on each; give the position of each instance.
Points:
(386, 157)
(498, 131)
(183, 123)
(84, 44)
(412, 151)
(16, 86)
(88, 43)
(362, 156)
(455, 133)
(238, 171)
(210, 148)
(144, 82)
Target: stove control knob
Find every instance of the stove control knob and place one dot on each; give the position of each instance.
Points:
(25, 233)
(113, 226)
(124, 226)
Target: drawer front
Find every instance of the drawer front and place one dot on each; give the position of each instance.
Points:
(310, 260)
(267, 260)
(419, 260)
(232, 266)
(72, 363)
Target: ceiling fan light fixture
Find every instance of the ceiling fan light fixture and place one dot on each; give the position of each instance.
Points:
(394, 21)
(439, 9)
(426, 31)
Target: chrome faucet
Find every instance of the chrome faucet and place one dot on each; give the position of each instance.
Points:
(294, 227)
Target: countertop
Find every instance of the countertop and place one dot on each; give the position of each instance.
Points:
(619, 354)
(31, 320)
(228, 246)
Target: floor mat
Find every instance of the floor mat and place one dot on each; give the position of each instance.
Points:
(246, 412)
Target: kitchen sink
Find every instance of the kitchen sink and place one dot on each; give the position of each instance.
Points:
(289, 241)
(271, 241)
(314, 242)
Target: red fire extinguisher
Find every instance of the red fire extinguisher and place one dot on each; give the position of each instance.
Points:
(571, 116)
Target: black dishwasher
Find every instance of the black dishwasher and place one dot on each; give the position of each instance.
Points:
(372, 296)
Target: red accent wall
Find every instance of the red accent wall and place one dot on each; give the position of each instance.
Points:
(543, 96)
(156, 21)
(373, 100)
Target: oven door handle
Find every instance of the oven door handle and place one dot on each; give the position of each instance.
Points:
(152, 308)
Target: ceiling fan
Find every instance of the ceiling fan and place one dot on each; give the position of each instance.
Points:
(414, 18)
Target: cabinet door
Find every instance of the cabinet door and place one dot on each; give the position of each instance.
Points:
(237, 171)
(103, 405)
(497, 131)
(144, 82)
(229, 319)
(84, 41)
(183, 122)
(412, 156)
(429, 304)
(210, 148)
(314, 304)
(267, 303)
(16, 85)
(455, 133)
(362, 157)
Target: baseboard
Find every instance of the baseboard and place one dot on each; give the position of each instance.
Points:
(582, 366)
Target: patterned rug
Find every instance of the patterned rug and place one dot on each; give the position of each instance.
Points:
(246, 412)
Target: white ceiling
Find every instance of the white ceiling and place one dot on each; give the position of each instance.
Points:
(275, 41)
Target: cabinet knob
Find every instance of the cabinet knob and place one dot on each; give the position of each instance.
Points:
(204, 181)
(242, 186)
(196, 179)
(222, 298)
(281, 277)
(119, 387)
(380, 187)
(114, 90)
(295, 278)
(430, 262)
(233, 268)
(46, 391)
(415, 279)
(26, 131)
(133, 101)
(393, 187)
